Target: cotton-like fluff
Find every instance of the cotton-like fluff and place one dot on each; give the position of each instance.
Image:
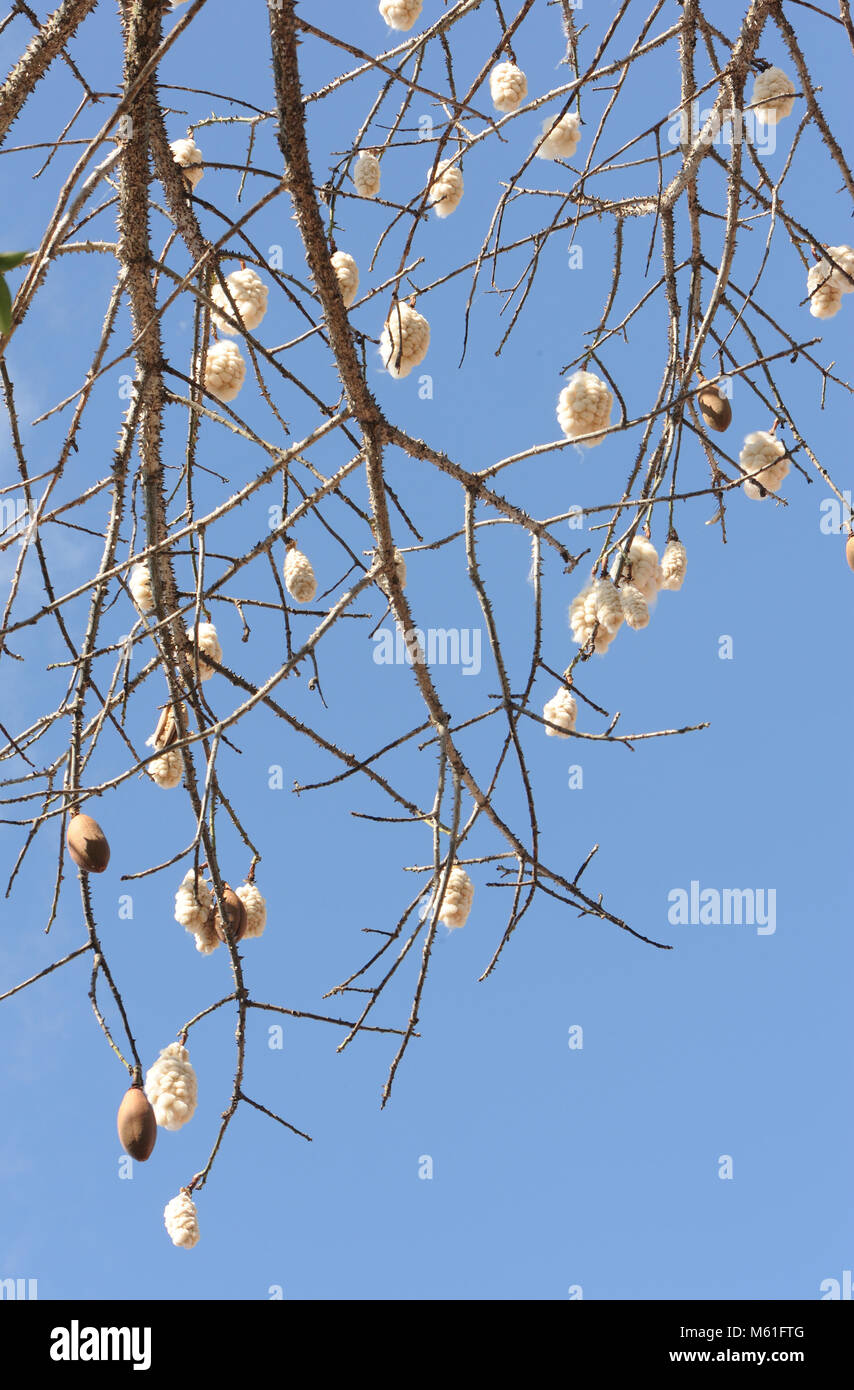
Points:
(583, 406)
(763, 452)
(405, 339)
(457, 898)
(508, 86)
(167, 770)
(207, 939)
(562, 138)
(188, 157)
(446, 190)
(843, 278)
(347, 273)
(400, 14)
(225, 370)
(597, 604)
(300, 580)
(172, 1088)
(256, 909)
(772, 96)
(209, 645)
(825, 296)
(181, 1221)
(140, 588)
(645, 573)
(562, 710)
(366, 175)
(674, 563)
(635, 607)
(193, 903)
(400, 570)
(249, 293)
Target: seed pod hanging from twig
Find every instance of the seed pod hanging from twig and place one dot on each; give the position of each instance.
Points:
(181, 1221)
(562, 710)
(400, 14)
(347, 273)
(366, 175)
(508, 86)
(188, 157)
(773, 96)
(249, 293)
(714, 408)
(405, 339)
(584, 406)
(457, 898)
(300, 580)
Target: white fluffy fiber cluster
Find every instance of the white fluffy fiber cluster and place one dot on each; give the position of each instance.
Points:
(826, 284)
(256, 909)
(508, 86)
(562, 137)
(405, 339)
(608, 606)
(188, 157)
(763, 452)
(446, 189)
(300, 580)
(596, 612)
(249, 293)
(208, 645)
(140, 588)
(457, 898)
(674, 564)
(400, 570)
(562, 710)
(584, 406)
(825, 296)
(193, 904)
(225, 370)
(773, 96)
(843, 278)
(347, 273)
(635, 606)
(181, 1221)
(400, 14)
(366, 175)
(645, 573)
(172, 1088)
(167, 770)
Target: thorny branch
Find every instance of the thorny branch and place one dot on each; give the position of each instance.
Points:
(674, 204)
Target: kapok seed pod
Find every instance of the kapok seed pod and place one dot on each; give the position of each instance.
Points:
(167, 728)
(715, 410)
(235, 915)
(849, 552)
(87, 844)
(137, 1124)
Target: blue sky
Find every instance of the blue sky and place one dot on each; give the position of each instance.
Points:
(554, 1168)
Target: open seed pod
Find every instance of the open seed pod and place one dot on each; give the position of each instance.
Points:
(715, 410)
(137, 1124)
(167, 729)
(235, 915)
(87, 844)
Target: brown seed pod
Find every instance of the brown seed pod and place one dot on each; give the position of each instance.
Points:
(137, 1124)
(849, 552)
(87, 844)
(235, 914)
(715, 410)
(167, 728)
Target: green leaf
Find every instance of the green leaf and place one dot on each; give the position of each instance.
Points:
(9, 259)
(5, 307)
